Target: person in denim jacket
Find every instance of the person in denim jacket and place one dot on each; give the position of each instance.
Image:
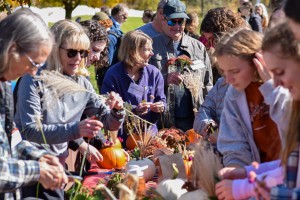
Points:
(172, 43)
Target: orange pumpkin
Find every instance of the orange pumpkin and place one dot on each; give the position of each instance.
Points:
(187, 166)
(192, 136)
(113, 158)
(130, 144)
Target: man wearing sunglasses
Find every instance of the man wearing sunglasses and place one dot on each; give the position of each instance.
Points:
(172, 43)
(154, 28)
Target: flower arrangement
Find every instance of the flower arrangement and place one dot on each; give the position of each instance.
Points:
(173, 137)
(180, 63)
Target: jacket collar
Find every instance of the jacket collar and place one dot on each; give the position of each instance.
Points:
(233, 93)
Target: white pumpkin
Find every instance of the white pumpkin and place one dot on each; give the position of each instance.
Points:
(197, 194)
(148, 172)
(170, 189)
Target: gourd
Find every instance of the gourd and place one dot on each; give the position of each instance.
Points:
(170, 189)
(148, 172)
(130, 144)
(113, 158)
(192, 136)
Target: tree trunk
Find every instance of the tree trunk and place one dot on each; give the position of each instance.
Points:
(69, 9)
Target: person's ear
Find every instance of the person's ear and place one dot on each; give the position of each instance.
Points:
(12, 48)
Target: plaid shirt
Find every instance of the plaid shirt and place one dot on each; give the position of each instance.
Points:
(19, 168)
(288, 190)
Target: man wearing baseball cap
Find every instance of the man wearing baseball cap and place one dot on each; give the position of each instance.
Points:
(171, 43)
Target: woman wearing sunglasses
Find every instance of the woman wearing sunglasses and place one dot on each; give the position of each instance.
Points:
(61, 117)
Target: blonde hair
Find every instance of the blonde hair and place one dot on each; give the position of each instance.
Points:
(72, 35)
(241, 43)
(24, 29)
(130, 47)
(281, 42)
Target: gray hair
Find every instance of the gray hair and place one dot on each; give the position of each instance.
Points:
(24, 29)
(68, 33)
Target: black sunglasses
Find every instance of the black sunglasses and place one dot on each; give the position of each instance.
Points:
(172, 22)
(71, 53)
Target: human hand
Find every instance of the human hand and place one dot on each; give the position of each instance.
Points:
(157, 107)
(93, 155)
(89, 127)
(114, 101)
(260, 64)
(232, 173)
(174, 78)
(143, 108)
(52, 174)
(224, 190)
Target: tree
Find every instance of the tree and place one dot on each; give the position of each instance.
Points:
(6, 5)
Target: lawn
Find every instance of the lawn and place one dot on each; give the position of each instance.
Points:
(131, 24)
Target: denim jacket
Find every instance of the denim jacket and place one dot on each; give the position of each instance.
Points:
(163, 50)
(235, 140)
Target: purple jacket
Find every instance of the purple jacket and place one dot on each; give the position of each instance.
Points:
(151, 81)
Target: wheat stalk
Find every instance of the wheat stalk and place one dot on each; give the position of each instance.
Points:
(60, 85)
(205, 167)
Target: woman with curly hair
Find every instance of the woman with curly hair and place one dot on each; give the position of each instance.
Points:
(220, 20)
(215, 23)
(98, 50)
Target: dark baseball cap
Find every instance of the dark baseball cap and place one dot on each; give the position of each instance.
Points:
(175, 9)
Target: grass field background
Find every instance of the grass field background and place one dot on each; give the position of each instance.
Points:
(131, 24)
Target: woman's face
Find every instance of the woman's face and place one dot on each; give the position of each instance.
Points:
(146, 52)
(209, 36)
(285, 72)
(237, 72)
(27, 63)
(71, 58)
(95, 50)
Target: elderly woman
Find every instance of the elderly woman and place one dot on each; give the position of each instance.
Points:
(61, 122)
(25, 43)
(137, 82)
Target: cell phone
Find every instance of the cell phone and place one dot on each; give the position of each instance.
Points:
(73, 177)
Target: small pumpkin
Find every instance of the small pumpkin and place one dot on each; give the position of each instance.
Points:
(130, 144)
(187, 166)
(148, 172)
(192, 136)
(113, 158)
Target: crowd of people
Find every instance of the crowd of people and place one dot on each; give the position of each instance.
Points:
(235, 72)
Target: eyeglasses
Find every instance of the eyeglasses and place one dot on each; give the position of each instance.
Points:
(71, 53)
(124, 16)
(173, 22)
(35, 65)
